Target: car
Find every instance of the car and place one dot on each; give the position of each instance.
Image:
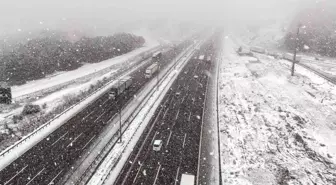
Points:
(157, 145)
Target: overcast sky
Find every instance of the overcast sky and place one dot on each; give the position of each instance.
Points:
(23, 15)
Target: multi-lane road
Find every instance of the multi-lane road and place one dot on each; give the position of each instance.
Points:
(50, 159)
(178, 123)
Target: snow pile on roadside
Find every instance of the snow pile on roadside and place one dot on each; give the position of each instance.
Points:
(274, 128)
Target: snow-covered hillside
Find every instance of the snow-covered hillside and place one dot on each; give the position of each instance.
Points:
(274, 128)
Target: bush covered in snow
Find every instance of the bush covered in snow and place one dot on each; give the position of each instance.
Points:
(30, 109)
(45, 55)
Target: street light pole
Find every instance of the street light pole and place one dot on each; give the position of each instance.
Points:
(120, 135)
(295, 49)
(119, 107)
(157, 77)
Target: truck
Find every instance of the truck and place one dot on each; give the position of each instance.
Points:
(244, 51)
(119, 87)
(5, 93)
(290, 57)
(157, 55)
(258, 49)
(187, 179)
(151, 70)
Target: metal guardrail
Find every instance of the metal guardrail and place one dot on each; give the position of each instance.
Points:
(100, 157)
(331, 80)
(42, 127)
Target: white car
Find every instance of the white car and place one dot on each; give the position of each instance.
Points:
(157, 145)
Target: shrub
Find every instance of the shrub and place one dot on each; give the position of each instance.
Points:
(30, 109)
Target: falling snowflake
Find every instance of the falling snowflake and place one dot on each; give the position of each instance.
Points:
(198, 117)
(306, 47)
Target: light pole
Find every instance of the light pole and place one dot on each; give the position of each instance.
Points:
(157, 76)
(119, 107)
(295, 49)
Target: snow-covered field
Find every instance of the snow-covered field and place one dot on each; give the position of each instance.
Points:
(274, 128)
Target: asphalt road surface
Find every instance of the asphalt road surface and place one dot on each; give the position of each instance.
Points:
(178, 123)
(50, 159)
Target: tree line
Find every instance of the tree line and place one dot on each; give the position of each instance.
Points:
(42, 56)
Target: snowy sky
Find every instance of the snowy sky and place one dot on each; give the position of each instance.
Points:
(23, 15)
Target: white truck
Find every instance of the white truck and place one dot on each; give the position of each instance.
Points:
(290, 57)
(187, 179)
(151, 70)
(119, 87)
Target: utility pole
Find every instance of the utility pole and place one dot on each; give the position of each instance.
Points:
(295, 49)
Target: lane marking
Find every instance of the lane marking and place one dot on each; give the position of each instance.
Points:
(157, 174)
(59, 138)
(136, 176)
(185, 135)
(99, 117)
(105, 101)
(189, 116)
(88, 115)
(178, 112)
(75, 139)
(164, 115)
(88, 142)
(169, 138)
(36, 176)
(177, 173)
(16, 174)
(52, 181)
(154, 137)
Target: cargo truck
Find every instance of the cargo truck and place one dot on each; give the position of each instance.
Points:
(187, 179)
(5, 93)
(151, 70)
(119, 87)
(157, 55)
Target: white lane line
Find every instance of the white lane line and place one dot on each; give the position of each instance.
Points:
(136, 176)
(169, 138)
(88, 141)
(75, 139)
(52, 181)
(178, 112)
(154, 137)
(157, 174)
(88, 115)
(36, 176)
(177, 173)
(16, 174)
(59, 138)
(189, 116)
(105, 101)
(164, 115)
(99, 117)
(185, 135)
